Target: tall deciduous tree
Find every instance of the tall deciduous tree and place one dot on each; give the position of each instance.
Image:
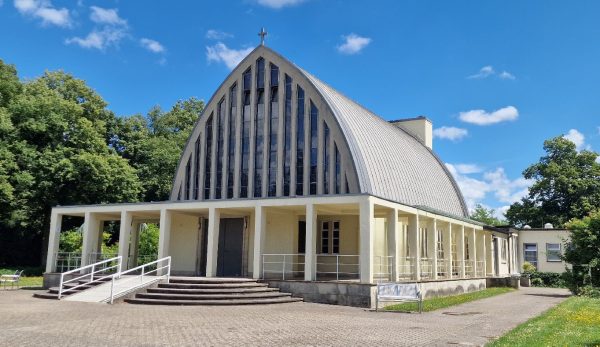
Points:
(583, 252)
(566, 186)
(486, 215)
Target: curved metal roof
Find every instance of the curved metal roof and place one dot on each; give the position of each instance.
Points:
(390, 162)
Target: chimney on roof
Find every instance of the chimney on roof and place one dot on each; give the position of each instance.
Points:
(420, 127)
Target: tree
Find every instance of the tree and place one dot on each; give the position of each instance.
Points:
(485, 215)
(583, 252)
(566, 185)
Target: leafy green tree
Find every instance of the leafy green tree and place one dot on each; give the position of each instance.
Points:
(485, 215)
(566, 186)
(71, 241)
(583, 252)
(148, 244)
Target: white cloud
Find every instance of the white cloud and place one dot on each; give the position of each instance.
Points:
(277, 4)
(488, 71)
(481, 117)
(505, 75)
(468, 168)
(450, 133)
(484, 72)
(108, 16)
(230, 57)
(99, 39)
(43, 9)
(152, 45)
(577, 138)
(353, 44)
(494, 182)
(217, 35)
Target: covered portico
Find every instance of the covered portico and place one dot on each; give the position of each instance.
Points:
(358, 238)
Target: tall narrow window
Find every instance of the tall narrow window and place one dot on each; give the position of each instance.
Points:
(325, 237)
(440, 244)
(335, 241)
(188, 178)
(245, 143)
(530, 253)
(300, 143)
(338, 174)
(424, 242)
(259, 126)
(232, 137)
(287, 133)
(325, 158)
(196, 184)
(208, 156)
(220, 148)
(347, 185)
(466, 250)
(273, 130)
(314, 116)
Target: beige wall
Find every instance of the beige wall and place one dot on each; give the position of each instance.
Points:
(184, 243)
(541, 238)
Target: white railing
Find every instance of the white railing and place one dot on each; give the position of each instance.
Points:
(406, 268)
(66, 261)
(141, 259)
(480, 268)
(382, 267)
(144, 270)
(456, 268)
(290, 266)
(426, 266)
(469, 268)
(442, 268)
(338, 266)
(94, 269)
(94, 257)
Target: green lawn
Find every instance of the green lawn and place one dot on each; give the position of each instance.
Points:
(447, 301)
(574, 322)
(30, 277)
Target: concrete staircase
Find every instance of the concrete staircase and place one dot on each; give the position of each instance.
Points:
(52, 293)
(211, 291)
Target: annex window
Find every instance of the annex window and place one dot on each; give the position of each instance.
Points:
(530, 253)
(314, 116)
(245, 143)
(208, 156)
(326, 159)
(259, 126)
(330, 237)
(220, 148)
(300, 143)
(273, 131)
(553, 252)
(232, 137)
(287, 136)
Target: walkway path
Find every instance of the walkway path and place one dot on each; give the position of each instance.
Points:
(26, 321)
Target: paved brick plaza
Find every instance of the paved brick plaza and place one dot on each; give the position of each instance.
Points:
(26, 321)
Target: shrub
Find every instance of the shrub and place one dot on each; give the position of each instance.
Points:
(528, 268)
(589, 291)
(537, 282)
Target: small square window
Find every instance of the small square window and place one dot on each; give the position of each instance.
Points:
(553, 252)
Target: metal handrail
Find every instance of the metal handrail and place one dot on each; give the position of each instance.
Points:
(386, 266)
(73, 260)
(93, 271)
(283, 263)
(337, 264)
(141, 276)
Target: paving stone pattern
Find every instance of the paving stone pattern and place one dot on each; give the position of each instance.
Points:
(27, 321)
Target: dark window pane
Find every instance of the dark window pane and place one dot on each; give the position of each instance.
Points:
(220, 147)
(301, 237)
(259, 127)
(208, 156)
(273, 132)
(232, 137)
(325, 158)
(314, 116)
(337, 170)
(197, 149)
(300, 143)
(245, 143)
(188, 178)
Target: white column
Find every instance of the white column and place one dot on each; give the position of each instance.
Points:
(260, 221)
(448, 251)
(91, 232)
(310, 249)
(124, 238)
(367, 237)
(415, 245)
(53, 241)
(164, 235)
(461, 250)
(393, 239)
(212, 245)
(433, 247)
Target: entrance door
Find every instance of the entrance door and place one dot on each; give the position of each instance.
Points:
(229, 258)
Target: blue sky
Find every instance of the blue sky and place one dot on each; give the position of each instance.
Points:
(497, 78)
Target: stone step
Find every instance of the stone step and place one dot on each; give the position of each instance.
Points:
(280, 300)
(46, 295)
(212, 291)
(162, 296)
(211, 285)
(66, 286)
(209, 280)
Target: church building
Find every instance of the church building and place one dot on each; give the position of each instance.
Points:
(286, 180)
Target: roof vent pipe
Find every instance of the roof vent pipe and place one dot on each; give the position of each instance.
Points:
(548, 226)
